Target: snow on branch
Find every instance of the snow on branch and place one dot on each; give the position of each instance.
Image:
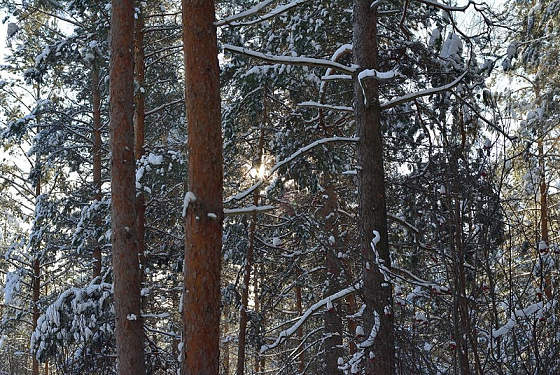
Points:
(290, 331)
(291, 60)
(534, 310)
(373, 333)
(336, 77)
(247, 210)
(246, 13)
(275, 12)
(326, 106)
(244, 193)
(309, 147)
(281, 163)
(402, 221)
(418, 94)
(446, 7)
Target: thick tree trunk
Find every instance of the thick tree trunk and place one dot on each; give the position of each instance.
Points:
(204, 213)
(139, 133)
(371, 191)
(129, 330)
(96, 151)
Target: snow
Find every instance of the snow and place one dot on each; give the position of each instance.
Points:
(452, 47)
(247, 210)
(273, 13)
(291, 60)
(380, 76)
(12, 286)
(189, 198)
(345, 48)
(155, 159)
(376, 239)
(13, 28)
(435, 35)
(290, 331)
(326, 106)
(373, 334)
(409, 97)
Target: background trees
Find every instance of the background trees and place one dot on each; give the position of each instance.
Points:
(442, 251)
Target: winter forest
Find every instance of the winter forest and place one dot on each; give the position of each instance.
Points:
(279, 187)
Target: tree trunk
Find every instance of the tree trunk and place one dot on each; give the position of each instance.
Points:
(128, 325)
(333, 316)
(36, 282)
(204, 214)
(249, 258)
(96, 151)
(139, 133)
(371, 194)
(36, 295)
(546, 280)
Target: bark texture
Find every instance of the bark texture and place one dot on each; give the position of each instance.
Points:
(129, 331)
(371, 190)
(204, 216)
(139, 133)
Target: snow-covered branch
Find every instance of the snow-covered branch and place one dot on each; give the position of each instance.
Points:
(446, 7)
(246, 13)
(281, 163)
(275, 12)
(291, 60)
(247, 210)
(326, 106)
(373, 333)
(309, 147)
(290, 331)
(244, 193)
(418, 94)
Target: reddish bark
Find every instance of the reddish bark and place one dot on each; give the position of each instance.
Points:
(128, 326)
(139, 132)
(371, 191)
(204, 216)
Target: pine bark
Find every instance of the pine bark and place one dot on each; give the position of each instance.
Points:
(371, 191)
(128, 325)
(204, 216)
(140, 133)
